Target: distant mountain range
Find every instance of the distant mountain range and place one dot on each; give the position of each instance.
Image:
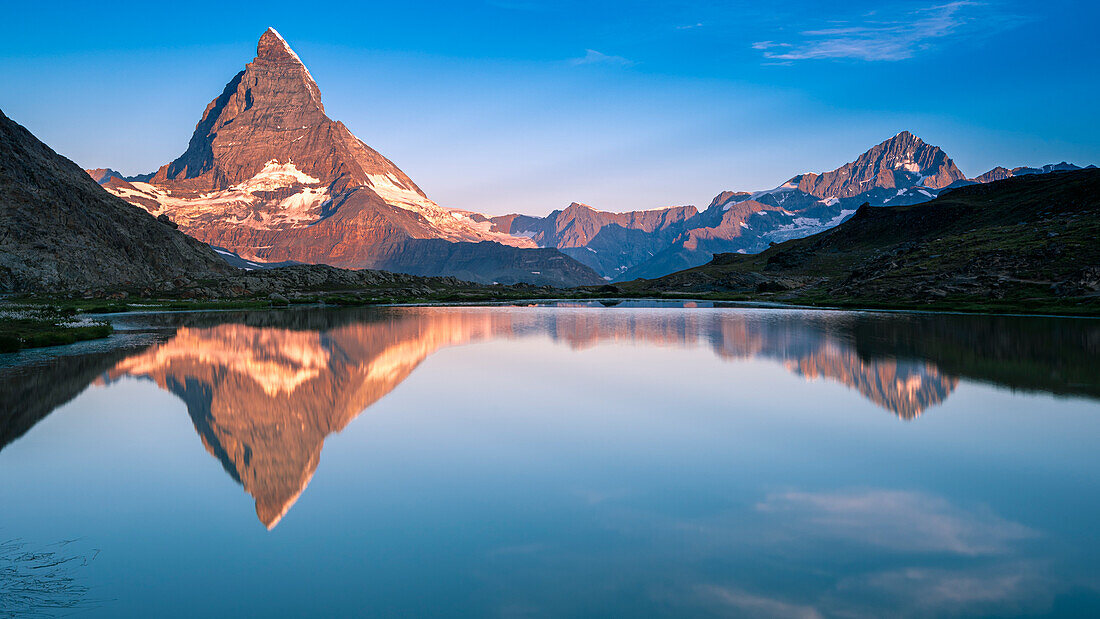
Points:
(268, 177)
(1026, 242)
(624, 246)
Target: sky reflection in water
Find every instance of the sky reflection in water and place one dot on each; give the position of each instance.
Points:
(568, 460)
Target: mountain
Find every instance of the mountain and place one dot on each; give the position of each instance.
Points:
(1023, 242)
(608, 242)
(59, 230)
(901, 170)
(625, 246)
(1000, 173)
(104, 175)
(903, 161)
(270, 177)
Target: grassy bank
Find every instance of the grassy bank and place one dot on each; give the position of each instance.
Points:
(30, 326)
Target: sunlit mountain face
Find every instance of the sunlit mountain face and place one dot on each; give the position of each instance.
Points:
(264, 398)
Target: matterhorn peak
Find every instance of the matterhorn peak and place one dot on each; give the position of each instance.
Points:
(274, 48)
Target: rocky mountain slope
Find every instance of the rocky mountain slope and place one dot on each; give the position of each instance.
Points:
(901, 170)
(624, 246)
(59, 230)
(1000, 173)
(269, 176)
(903, 161)
(607, 242)
(1022, 242)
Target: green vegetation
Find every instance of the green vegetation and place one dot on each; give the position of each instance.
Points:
(35, 326)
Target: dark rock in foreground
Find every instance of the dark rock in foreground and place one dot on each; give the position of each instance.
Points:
(61, 230)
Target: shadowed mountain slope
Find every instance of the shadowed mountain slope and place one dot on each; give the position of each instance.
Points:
(60, 230)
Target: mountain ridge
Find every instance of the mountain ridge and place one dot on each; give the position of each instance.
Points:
(901, 170)
(269, 176)
(1026, 241)
(60, 230)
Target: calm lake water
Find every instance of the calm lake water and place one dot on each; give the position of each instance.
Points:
(569, 460)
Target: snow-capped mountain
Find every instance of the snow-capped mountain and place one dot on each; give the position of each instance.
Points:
(902, 170)
(269, 176)
(621, 246)
(1000, 173)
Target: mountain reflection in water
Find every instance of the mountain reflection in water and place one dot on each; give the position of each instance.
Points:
(265, 389)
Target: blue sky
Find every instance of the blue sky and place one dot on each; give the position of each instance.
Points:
(527, 105)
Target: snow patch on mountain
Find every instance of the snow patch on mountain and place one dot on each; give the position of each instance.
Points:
(275, 175)
(450, 224)
(239, 202)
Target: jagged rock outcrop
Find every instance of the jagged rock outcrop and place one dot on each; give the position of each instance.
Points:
(1022, 242)
(268, 175)
(1000, 173)
(647, 244)
(902, 161)
(901, 170)
(59, 230)
(610, 243)
(104, 175)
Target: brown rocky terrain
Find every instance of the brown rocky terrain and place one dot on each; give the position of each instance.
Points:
(1000, 173)
(268, 175)
(104, 175)
(60, 230)
(578, 224)
(901, 170)
(608, 242)
(902, 156)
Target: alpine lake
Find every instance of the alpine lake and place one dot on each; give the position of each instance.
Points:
(618, 459)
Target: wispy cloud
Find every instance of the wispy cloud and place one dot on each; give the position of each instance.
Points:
(875, 37)
(690, 26)
(1012, 587)
(591, 56)
(896, 520)
(751, 605)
